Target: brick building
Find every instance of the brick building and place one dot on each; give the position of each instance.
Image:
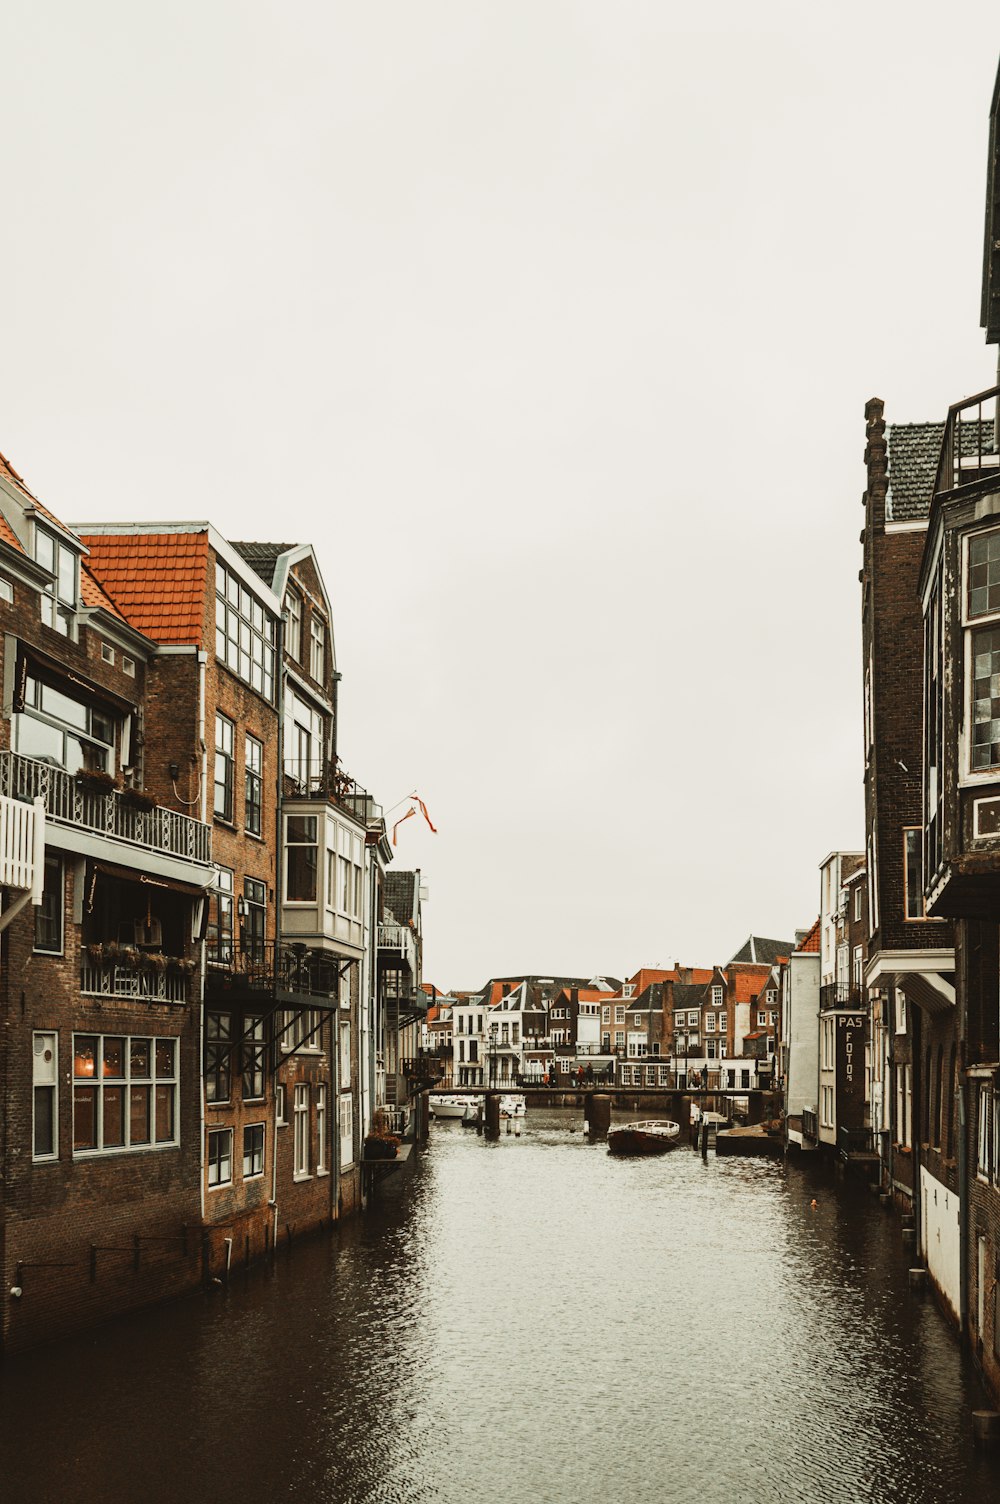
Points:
(100, 1156)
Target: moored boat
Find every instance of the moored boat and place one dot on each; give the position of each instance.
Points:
(650, 1137)
(448, 1104)
(512, 1105)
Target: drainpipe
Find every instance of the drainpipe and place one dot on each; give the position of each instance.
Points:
(279, 869)
(202, 1124)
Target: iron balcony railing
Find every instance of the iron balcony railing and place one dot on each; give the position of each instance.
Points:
(142, 982)
(855, 1141)
(266, 966)
(310, 779)
(969, 445)
(69, 800)
(837, 995)
(423, 1068)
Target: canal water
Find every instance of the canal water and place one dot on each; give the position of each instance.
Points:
(527, 1321)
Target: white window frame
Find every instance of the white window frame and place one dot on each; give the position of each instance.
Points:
(280, 1110)
(214, 1167)
(300, 1113)
(97, 1084)
(346, 1125)
(45, 1078)
(322, 1167)
(254, 1128)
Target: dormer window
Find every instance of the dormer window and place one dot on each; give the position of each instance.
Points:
(59, 593)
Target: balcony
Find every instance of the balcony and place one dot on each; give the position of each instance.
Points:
(305, 779)
(144, 981)
(810, 1125)
(397, 941)
(423, 1070)
(836, 995)
(114, 814)
(856, 1143)
(269, 970)
(969, 445)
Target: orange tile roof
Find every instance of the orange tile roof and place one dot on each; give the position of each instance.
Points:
(93, 595)
(649, 974)
(748, 981)
(811, 941)
(7, 534)
(157, 580)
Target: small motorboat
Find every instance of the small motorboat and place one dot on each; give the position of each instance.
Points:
(651, 1137)
(512, 1105)
(449, 1104)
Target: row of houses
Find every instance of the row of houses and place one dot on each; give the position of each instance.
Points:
(890, 1052)
(209, 977)
(707, 1025)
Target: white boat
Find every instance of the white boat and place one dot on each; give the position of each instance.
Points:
(448, 1104)
(512, 1105)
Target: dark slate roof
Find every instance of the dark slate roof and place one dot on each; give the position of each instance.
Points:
(262, 557)
(914, 452)
(400, 895)
(689, 994)
(760, 952)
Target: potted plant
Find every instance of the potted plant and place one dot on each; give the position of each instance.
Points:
(96, 780)
(138, 798)
(127, 955)
(112, 950)
(156, 961)
(181, 965)
(96, 952)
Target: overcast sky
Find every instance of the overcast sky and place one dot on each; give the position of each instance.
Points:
(551, 323)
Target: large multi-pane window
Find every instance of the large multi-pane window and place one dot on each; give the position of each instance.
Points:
(64, 728)
(986, 698)
(218, 1056)
(49, 913)
(933, 743)
(219, 929)
(304, 744)
(301, 857)
(59, 593)
(253, 785)
(244, 633)
(124, 1092)
(254, 917)
(225, 735)
(983, 596)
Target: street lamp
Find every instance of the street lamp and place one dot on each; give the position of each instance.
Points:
(494, 1029)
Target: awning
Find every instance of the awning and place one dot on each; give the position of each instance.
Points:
(130, 875)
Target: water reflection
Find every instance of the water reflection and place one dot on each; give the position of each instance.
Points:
(530, 1320)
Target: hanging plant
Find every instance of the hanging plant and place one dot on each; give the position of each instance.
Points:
(96, 952)
(138, 798)
(156, 961)
(128, 955)
(112, 950)
(97, 780)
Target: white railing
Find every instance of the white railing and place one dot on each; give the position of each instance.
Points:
(70, 801)
(22, 846)
(399, 937)
(143, 982)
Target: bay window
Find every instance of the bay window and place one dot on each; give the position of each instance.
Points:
(61, 726)
(58, 593)
(244, 633)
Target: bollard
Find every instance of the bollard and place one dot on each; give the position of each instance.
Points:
(918, 1278)
(909, 1237)
(598, 1108)
(985, 1427)
(492, 1115)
